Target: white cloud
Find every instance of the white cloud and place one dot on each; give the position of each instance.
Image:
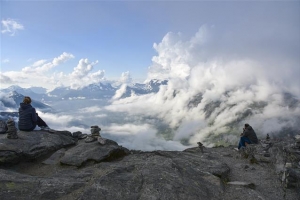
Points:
(43, 66)
(40, 71)
(5, 79)
(127, 129)
(91, 109)
(5, 61)
(120, 92)
(83, 68)
(101, 116)
(141, 137)
(58, 122)
(39, 63)
(82, 74)
(5, 98)
(126, 77)
(11, 26)
(237, 82)
(62, 58)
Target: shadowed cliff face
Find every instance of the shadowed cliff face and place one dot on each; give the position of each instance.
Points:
(42, 165)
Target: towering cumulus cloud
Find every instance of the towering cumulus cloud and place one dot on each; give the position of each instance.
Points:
(213, 90)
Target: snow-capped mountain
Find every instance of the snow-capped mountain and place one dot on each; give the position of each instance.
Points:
(27, 91)
(104, 90)
(11, 102)
(139, 89)
(93, 91)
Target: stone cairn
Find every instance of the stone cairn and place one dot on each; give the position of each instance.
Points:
(11, 129)
(291, 173)
(95, 134)
(200, 145)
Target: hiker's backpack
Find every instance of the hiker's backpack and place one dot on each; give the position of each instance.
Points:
(3, 127)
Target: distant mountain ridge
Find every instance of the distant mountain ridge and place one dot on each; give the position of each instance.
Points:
(140, 89)
(13, 99)
(26, 91)
(93, 91)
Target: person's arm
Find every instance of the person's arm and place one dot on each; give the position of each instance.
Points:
(34, 115)
(246, 133)
(242, 134)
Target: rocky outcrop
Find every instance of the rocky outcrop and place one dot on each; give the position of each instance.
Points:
(32, 145)
(55, 166)
(146, 175)
(86, 152)
(291, 154)
(158, 175)
(18, 186)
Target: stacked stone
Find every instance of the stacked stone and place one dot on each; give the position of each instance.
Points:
(12, 130)
(95, 131)
(291, 175)
(297, 137)
(297, 145)
(200, 145)
(95, 134)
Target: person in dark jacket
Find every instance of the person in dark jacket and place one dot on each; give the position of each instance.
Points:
(28, 118)
(247, 137)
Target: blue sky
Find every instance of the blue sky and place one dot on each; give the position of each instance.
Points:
(119, 35)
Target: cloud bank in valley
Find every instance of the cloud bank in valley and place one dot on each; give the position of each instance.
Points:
(212, 90)
(133, 133)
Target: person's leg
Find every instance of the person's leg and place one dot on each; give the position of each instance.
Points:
(242, 142)
(41, 122)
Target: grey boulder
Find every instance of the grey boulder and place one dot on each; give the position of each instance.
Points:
(93, 151)
(32, 145)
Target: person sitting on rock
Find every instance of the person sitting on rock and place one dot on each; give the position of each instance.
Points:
(247, 137)
(28, 118)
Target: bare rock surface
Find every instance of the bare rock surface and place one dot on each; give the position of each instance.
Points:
(159, 175)
(55, 158)
(57, 168)
(84, 152)
(32, 145)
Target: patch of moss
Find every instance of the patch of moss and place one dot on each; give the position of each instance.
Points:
(10, 185)
(253, 161)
